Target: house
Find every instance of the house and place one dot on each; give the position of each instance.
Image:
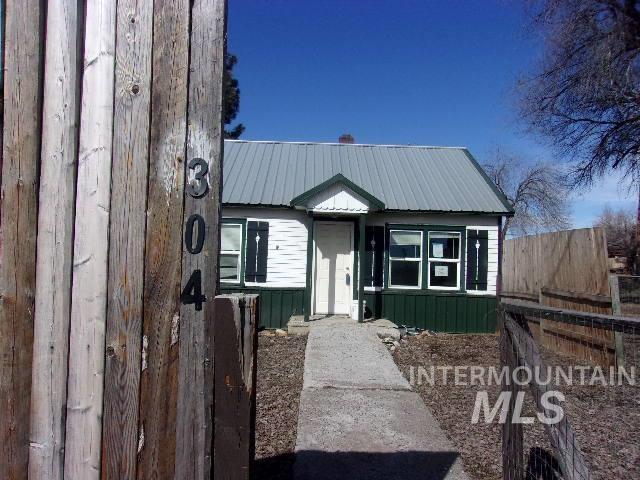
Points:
(407, 233)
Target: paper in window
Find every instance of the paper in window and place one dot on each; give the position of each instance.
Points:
(441, 270)
(438, 251)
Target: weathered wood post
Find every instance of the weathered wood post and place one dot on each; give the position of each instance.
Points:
(616, 309)
(512, 434)
(90, 251)
(202, 214)
(127, 229)
(163, 250)
(236, 346)
(23, 58)
(61, 101)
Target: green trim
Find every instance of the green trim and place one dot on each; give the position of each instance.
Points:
(361, 237)
(261, 206)
(243, 248)
(301, 199)
(356, 257)
(501, 196)
(307, 293)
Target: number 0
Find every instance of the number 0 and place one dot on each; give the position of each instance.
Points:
(188, 234)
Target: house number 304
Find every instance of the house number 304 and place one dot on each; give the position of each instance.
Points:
(197, 187)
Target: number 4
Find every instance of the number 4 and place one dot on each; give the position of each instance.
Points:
(192, 292)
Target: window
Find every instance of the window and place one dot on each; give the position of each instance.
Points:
(444, 260)
(405, 259)
(230, 252)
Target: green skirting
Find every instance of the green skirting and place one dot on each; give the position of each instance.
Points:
(276, 304)
(451, 313)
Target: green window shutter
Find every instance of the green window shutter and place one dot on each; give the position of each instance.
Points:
(374, 255)
(477, 259)
(257, 251)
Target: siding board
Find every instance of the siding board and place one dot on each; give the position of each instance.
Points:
(453, 313)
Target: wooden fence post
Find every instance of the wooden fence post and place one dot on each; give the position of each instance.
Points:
(90, 252)
(61, 102)
(616, 309)
(127, 228)
(236, 346)
(203, 188)
(163, 252)
(512, 434)
(23, 57)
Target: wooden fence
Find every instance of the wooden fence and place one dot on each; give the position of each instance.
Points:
(566, 270)
(109, 239)
(567, 459)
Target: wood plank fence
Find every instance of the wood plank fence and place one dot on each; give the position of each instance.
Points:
(568, 270)
(109, 237)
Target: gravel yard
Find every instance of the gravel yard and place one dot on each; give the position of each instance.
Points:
(606, 419)
(280, 372)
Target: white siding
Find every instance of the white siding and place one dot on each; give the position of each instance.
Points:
(287, 253)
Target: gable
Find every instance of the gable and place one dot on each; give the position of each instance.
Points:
(337, 195)
(337, 198)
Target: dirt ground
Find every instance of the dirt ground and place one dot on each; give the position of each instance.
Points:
(280, 372)
(606, 419)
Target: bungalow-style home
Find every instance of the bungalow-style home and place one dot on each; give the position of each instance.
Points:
(402, 232)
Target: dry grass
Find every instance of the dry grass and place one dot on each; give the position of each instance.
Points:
(280, 373)
(606, 419)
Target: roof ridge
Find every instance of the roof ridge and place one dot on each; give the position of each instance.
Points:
(443, 147)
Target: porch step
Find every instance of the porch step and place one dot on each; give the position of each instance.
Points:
(297, 325)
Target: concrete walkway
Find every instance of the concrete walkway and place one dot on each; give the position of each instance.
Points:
(359, 418)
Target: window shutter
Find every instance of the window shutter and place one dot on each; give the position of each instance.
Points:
(257, 248)
(373, 254)
(477, 259)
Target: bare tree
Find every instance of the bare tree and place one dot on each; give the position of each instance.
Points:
(585, 94)
(620, 228)
(537, 191)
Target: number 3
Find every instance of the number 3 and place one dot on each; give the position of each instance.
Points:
(198, 186)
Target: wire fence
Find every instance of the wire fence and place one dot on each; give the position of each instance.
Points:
(572, 392)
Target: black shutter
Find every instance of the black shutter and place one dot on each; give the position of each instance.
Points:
(373, 253)
(477, 259)
(256, 258)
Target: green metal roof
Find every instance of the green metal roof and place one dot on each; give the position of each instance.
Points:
(413, 178)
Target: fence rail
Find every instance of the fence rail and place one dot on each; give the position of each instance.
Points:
(605, 399)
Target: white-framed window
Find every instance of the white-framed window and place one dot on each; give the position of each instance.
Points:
(405, 259)
(230, 252)
(444, 260)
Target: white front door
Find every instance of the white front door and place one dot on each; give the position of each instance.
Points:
(334, 261)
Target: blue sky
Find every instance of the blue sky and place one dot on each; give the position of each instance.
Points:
(392, 72)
